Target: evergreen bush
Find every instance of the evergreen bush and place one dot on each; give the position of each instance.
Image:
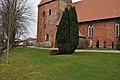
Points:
(118, 44)
(104, 44)
(67, 36)
(83, 43)
(112, 45)
(97, 44)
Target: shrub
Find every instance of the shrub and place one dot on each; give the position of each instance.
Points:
(83, 43)
(97, 44)
(112, 45)
(118, 46)
(67, 36)
(104, 44)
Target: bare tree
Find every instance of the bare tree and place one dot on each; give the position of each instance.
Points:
(15, 16)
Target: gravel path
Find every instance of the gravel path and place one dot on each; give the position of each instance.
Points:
(102, 51)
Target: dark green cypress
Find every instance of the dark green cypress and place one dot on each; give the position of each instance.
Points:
(62, 36)
(97, 44)
(118, 44)
(112, 44)
(74, 34)
(67, 36)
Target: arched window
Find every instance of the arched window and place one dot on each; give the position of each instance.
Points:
(117, 27)
(47, 37)
(49, 12)
(43, 13)
(90, 30)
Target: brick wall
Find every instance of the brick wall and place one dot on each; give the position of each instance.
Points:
(104, 30)
(47, 23)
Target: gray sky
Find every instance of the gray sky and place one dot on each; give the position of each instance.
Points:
(33, 28)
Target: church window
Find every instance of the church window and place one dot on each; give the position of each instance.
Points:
(43, 13)
(47, 37)
(49, 12)
(117, 26)
(90, 30)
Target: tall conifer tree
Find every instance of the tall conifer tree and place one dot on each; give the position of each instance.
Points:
(67, 35)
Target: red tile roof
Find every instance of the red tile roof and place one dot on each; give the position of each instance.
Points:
(88, 10)
(44, 1)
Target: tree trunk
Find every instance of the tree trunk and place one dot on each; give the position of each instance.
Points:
(8, 46)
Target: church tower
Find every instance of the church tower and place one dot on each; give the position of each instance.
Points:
(49, 13)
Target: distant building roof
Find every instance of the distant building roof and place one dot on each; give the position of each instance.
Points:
(89, 10)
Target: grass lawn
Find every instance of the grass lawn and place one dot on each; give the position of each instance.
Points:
(36, 64)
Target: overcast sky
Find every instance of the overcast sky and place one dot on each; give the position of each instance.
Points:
(33, 28)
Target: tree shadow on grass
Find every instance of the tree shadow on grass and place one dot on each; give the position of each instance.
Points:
(57, 52)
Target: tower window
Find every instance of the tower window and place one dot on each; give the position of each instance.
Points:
(43, 13)
(90, 30)
(49, 12)
(47, 37)
(117, 27)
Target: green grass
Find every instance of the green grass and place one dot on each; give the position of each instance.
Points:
(36, 64)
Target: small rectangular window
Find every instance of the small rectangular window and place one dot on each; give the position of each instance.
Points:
(49, 12)
(43, 13)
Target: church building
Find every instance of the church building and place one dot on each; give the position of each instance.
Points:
(97, 19)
